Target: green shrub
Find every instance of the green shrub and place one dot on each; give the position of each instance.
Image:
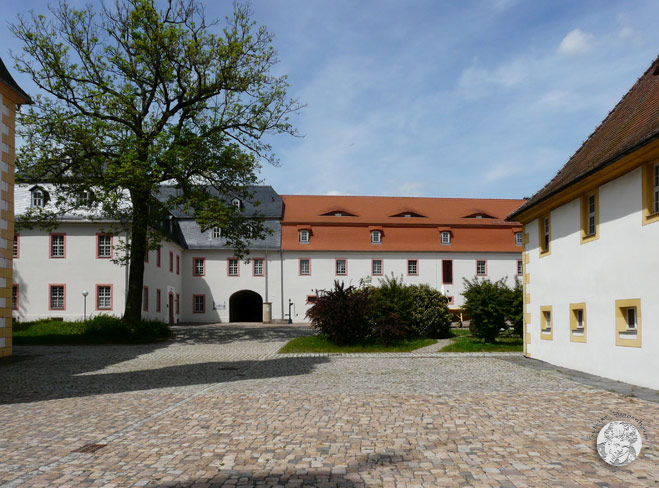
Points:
(343, 314)
(486, 304)
(515, 307)
(113, 329)
(392, 312)
(430, 313)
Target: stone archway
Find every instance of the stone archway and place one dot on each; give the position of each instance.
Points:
(246, 306)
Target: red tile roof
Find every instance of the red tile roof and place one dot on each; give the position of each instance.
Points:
(352, 233)
(632, 123)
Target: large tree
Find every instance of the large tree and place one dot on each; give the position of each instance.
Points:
(135, 97)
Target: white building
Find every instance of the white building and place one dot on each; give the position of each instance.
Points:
(312, 241)
(592, 249)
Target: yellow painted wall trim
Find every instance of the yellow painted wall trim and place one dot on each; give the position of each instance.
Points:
(623, 336)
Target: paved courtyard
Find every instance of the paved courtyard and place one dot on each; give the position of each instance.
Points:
(219, 407)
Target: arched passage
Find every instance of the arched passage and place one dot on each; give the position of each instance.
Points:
(246, 306)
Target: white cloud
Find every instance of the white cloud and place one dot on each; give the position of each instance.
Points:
(575, 42)
(335, 193)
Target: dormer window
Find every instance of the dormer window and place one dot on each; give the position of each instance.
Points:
(236, 203)
(217, 232)
(518, 238)
(408, 214)
(478, 215)
(376, 237)
(304, 236)
(446, 238)
(38, 197)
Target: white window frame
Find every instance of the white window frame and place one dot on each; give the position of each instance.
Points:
(518, 239)
(373, 271)
(591, 222)
(236, 202)
(216, 232)
(104, 248)
(234, 267)
(57, 249)
(199, 266)
(376, 237)
(546, 321)
(478, 271)
(258, 267)
(57, 299)
(341, 270)
(446, 238)
(304, 236)
(38, 198)
(199, 303)
(579, 318)
(546, 234)
(14, 251)
(104, 297)
(520, 267)
(412, 267)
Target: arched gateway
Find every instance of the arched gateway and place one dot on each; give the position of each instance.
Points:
(246, 306)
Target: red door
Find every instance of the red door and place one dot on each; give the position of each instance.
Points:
(171, 308)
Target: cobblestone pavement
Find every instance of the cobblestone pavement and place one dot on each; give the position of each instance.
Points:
(219, 407)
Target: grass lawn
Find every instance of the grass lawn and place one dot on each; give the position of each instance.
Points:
(99, 330)
(319, 343)
(464, 342)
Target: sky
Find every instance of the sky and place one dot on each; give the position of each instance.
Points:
(437, 98)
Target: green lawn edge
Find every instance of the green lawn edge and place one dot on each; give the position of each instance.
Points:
(464, 342)
(320, 344)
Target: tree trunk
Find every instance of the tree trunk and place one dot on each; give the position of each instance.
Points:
(138, 250)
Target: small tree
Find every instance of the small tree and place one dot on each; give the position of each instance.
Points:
(136, 96)
(430, 313)
(485, 302)
(392, 313)
(515, 307)
(343, 314)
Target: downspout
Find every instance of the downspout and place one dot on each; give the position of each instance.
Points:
(127, 273)
(265, 265)
(281, 274)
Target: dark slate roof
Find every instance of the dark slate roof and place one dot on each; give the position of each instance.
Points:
(6, 77)
(265, 202)
(632, 123)
(193, 238)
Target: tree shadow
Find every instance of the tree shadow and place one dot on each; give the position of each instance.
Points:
(223, 334)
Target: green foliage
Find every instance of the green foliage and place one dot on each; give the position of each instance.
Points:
(135, 97)
(343, 314)
(515, 307)
(486, 304)
(465, 342)
(97, 330)
(430, 313)
(392, 309)
(320, 343)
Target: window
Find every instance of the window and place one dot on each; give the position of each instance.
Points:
(546, 325)
(103, 246)
(589, 217)
(233, 266)
(545, 234)
(198, 266)
(520, 267)
(145, 299)
(376, 237)
(236, 202)
(304, 236)
(578, 322)
(447, 271)
(178, 264)
(178, 304)
(199, 303)
(57, 297)
(518, 238)
(14, 297)
(450, 300)
(446, 238)
(628, 322)
(217, 233)
(158, 257)
(412, 267)
(312, 299)
(258, 267)
(651, 193)
(341, 267)
(305, 267)
(15, 251)
(158, 297)
(376, 267)
(38, 198)
(57, 246)
(171, 262)
(103, 297)
(481, 267)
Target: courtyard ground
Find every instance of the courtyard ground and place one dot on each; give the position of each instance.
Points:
(219, 407)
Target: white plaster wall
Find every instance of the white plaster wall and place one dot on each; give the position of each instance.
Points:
(80, 271)
(160, 277)
(218, 286)
(623, 263)
(296, 287)
(4, 263)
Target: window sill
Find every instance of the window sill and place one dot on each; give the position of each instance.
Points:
(546, 331)
(578, 333)
(628, 334)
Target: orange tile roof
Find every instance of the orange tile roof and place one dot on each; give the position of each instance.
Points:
(352, 233)
(632, 123)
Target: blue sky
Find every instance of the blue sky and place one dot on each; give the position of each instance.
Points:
(439, 98)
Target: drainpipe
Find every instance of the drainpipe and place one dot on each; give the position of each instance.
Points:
(265, 271)
(281, 274)
(127, 274)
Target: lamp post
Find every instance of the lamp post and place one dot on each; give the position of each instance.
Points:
(84, 295)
